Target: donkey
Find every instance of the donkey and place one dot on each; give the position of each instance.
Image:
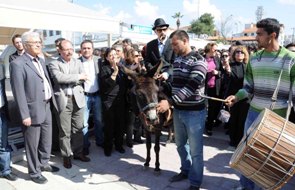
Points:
(148, 94)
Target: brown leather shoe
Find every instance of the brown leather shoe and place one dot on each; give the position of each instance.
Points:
(67, 162)
(82, 158)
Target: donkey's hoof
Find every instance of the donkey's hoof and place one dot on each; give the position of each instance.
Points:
(157, 172)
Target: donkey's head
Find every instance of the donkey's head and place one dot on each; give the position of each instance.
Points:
(146, 92)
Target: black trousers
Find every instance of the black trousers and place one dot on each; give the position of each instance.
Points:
(114, 120)
(237, 121)
(213, 109)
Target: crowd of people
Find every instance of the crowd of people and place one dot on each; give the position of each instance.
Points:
(59, 96)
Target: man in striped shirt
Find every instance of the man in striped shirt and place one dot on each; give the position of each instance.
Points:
(262, 76)
(189, 115)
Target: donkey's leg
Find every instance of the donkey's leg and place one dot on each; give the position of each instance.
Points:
(157, 149)
(148, 144)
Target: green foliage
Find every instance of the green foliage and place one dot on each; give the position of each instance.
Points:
(203, 25)
(177, 15)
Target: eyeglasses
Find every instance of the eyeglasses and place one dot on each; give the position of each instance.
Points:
(239, 52)
(224, 56)
(67, 49)
(161, 29)
(136, 55)
(34, 42)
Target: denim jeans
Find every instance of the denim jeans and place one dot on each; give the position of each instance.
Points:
(252, 115)
(188, 127)
(4, 148)
(93, 103)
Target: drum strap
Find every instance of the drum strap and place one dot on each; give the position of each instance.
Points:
(275, 94)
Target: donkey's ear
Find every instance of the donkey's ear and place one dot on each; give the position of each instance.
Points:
(129, 72)
(156, 69)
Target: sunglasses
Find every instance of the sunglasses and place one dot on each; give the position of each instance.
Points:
(224, 56)
(239, 52)
(136, 55)
(161, 29)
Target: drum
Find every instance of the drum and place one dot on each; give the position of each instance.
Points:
(267, 154)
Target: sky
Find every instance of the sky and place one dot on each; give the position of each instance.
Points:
(237, 13)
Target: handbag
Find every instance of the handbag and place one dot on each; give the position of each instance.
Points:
(223, 115)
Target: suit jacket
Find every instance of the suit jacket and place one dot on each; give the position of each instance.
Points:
(13, 56)
(62, 80)
(153, 55)
(95, 60)
(28, 89)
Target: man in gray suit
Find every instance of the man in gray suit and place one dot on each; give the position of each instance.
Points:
(92, 95)
(32, 91)
(68, 76)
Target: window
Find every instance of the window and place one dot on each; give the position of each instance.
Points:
(50, 32)
(44, 33)
(58, 32)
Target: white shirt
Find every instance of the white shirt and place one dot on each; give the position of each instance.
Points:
(91, 84)
(47, 89)
(161, 45)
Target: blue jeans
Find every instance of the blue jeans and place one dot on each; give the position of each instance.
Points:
(93, 103)
(188, 127)
(252, 115)
(4, 148)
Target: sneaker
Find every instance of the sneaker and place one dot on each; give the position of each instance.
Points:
(178, 177)
(193, 188)
(39, 179)
(49, 168)
(209, 132)
(10, 177)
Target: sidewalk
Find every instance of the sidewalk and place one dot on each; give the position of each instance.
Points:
(126, 172)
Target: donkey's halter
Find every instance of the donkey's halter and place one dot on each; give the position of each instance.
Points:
(148, 106)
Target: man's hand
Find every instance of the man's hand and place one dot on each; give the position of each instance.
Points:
(231, 100)
(27, 122)
(163, 106)
(162, 77)
(83, 76)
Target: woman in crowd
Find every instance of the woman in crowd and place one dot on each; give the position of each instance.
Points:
(213, 85)
(113, 87)
(235, 78)
(132, 62)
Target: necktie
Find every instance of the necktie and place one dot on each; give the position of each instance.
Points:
(46, 83)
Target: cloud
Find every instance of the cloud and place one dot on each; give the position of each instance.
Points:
(287, 2)
(123, 16)
(147, 11)
(102, 9)
(195, 8)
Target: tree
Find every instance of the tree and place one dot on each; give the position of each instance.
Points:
(203, 25)
(224, 26)
(177, 15)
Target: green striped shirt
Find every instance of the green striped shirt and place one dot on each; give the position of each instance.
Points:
(262, 76)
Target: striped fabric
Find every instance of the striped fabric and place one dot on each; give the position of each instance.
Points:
(262, 76)
(189, 74)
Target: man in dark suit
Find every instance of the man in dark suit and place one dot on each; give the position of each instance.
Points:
(17, 43)
(32, 91)
(160, 48)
